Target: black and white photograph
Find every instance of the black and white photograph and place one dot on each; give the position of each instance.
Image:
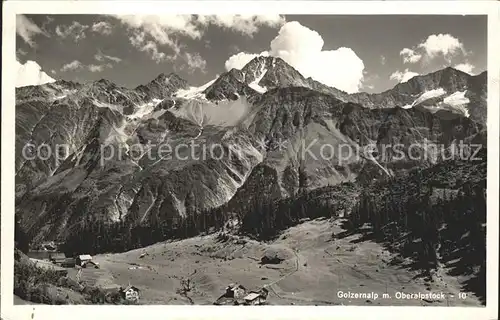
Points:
(248, 159)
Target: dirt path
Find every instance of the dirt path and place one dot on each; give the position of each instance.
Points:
(291, 272)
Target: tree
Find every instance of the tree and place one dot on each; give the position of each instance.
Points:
(20, 237)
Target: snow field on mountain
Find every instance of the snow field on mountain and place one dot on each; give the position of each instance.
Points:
(224, 113)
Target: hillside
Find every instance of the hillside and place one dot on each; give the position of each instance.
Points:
(315, 268)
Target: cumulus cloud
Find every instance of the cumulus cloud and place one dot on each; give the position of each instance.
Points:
(150, 32)
(27, 29)
(403, 76)
(382, 60)
(443, 46)
(73, 65)
(99, 56)
(31, 74)
(465, 67)
(302, 48)
(410, 56)
(102, 27)
(239, 60)
(76, 31)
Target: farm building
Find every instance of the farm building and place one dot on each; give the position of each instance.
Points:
(256, 297)
(82, 259)
(57, 257)
(235, 291)
(233, 296)
(130, 293)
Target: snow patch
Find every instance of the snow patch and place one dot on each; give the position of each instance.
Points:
(145, 109)
(225, 113)
(457, 99)
(455, 102)
(255, 84)
(64, 92)
(142, 111)
(194, 92)
(113, 107)
(429, 95)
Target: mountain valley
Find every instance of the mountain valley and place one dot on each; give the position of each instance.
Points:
(285, 152)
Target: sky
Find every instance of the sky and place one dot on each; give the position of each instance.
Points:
(370, 53)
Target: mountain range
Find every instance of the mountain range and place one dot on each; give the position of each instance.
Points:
(269, 123)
